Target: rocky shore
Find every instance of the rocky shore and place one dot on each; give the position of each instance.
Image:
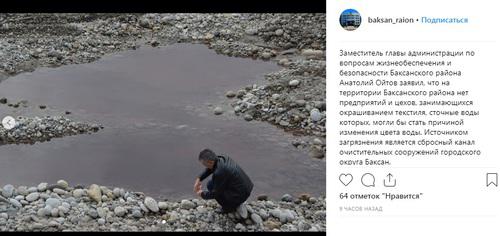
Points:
(292, 98)
(61, 207)
(29, 130)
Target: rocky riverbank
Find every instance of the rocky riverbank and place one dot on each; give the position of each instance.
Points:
(61, 207)
(292, 98)
(29, 130)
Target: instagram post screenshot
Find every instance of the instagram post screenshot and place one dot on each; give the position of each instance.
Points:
(187, 116)
(211, 116)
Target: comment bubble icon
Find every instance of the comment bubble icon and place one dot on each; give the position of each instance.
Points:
(368, 180)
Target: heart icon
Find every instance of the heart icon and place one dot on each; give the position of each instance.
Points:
(345, 179)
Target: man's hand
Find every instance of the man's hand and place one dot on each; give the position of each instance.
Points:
(198, 188)
(197, 185)
(199, 193)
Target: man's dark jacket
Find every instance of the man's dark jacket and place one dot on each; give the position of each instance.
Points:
(231, 185)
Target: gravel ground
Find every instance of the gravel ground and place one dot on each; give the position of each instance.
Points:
(61, 207)
(36, 129)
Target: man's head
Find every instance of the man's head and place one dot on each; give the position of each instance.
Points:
(207, 158)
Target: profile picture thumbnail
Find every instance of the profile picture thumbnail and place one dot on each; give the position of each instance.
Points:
(350, 19)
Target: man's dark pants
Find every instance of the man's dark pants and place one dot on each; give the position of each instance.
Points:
(226, 209)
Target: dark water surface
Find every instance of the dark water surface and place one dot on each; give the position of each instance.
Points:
(153, 104)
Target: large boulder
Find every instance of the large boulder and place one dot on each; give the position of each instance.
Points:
(94, 192)
(186, 204)
(151, 204)
(8, 190)
(120, 211)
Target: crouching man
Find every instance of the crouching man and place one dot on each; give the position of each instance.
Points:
(229, 186)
